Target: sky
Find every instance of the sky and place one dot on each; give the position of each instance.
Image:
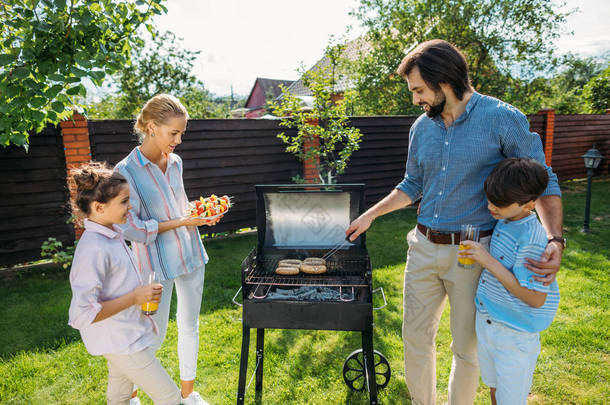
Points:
(241, 40)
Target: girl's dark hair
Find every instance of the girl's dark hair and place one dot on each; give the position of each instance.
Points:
(438, 62)
(95, 181)
(516, 180)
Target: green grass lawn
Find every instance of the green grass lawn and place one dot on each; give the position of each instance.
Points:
(43, 361)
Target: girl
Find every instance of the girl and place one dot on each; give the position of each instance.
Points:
(107, 290)
(164, 240)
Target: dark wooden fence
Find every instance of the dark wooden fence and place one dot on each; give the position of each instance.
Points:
(33, 198)
(574, 135)
(230, 157)
(219, 156)
(380, 161)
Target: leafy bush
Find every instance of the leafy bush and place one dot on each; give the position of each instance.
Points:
(54, 250)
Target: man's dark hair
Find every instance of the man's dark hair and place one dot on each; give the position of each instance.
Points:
(438, 62)
(516, 180)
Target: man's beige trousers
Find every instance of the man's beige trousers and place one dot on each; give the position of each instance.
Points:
(431, 275)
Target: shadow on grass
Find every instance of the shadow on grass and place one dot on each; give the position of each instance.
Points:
(319, 355)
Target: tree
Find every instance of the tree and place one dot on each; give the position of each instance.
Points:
(564, 90)
(48, 47)
(324, 126)
(504, 41)
(597, 93)
(161, 65)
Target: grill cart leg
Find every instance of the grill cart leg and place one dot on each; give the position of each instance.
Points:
(260, 344)
(369, 364)
(243, 364)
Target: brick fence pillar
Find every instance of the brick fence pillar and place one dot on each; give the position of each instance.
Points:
(77, 148)
(549, 133)
(311, 167)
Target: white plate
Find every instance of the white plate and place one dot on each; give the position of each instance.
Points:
(212, 217)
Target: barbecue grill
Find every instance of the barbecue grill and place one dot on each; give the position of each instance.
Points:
(296, 222)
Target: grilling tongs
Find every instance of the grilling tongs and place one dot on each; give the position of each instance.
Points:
(336, 248)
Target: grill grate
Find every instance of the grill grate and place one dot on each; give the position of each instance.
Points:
(339, 273)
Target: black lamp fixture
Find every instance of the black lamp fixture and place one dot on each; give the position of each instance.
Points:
(592, 158)
(592, 161)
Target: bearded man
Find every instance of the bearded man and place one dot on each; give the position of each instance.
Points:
(453, 146)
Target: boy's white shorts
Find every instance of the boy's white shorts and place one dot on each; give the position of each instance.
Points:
(507, 358)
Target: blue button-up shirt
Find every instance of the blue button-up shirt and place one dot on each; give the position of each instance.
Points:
(447, 167)
(157, 197)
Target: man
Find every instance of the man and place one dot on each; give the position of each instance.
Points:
(461, 137)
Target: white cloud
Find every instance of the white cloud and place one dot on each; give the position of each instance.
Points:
(591, 28)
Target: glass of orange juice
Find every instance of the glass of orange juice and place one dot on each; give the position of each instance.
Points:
(150, 308)
(467, 232)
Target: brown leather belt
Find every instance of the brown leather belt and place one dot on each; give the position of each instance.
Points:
(446, 238)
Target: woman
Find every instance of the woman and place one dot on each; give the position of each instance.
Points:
(163, 238)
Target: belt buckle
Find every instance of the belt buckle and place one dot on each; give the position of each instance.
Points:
(431, 232)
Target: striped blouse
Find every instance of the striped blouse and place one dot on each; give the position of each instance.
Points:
(511, 243)
(157, 197)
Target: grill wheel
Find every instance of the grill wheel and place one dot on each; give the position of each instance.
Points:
(354, 370)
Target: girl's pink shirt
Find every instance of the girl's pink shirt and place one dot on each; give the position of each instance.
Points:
(104, 269)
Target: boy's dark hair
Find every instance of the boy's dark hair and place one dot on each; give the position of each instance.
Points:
(438, 62)
(95, 181)
(516, 180)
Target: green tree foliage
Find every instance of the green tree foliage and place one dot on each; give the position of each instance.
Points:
(564, 90)
(505, 43)
(597, 92)
(326, 120)
(48, 47)
(160, 66)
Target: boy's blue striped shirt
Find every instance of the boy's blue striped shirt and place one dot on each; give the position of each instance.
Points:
(511, 243)
(157, 197)
(448, 167)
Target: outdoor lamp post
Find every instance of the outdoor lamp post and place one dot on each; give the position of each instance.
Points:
(592, 160)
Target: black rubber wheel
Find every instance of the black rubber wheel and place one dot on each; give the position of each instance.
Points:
(353, 370)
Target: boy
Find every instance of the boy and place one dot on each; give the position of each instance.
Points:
(512, 307)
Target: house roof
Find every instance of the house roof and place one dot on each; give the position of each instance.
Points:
(269, 85)
(353, 50)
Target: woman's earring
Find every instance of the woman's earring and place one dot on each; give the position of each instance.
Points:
(152, 134)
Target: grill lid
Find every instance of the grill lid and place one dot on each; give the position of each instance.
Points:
(307, 217)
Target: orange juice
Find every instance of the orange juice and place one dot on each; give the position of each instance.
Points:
(463, 261)
(150, 308)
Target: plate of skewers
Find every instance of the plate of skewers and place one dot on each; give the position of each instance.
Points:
(209, 207)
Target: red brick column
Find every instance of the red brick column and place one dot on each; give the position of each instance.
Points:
(75, 134)
(549, 133)
(311, 166)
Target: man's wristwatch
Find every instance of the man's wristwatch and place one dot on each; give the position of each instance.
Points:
(560, 240)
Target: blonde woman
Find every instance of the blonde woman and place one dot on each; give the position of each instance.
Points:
(163, 239)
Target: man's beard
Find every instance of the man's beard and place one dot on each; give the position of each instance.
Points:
(438, 105)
